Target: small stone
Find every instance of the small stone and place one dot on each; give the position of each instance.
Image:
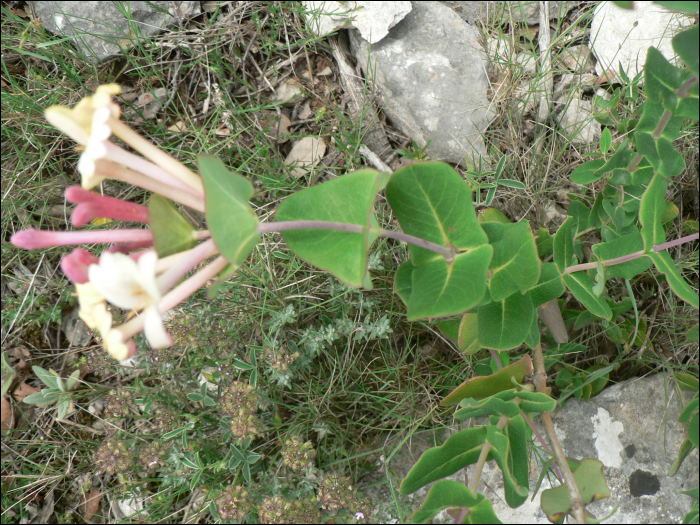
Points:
(577, 122)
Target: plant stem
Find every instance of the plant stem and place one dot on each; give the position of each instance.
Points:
(632, 256)
(540, 380)
(268, 227)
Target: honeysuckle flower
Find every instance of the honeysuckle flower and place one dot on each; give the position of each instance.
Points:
(132, 285)
(77, 123)
(92, 205)
(93, 309)
(75, 265)
(33, 239)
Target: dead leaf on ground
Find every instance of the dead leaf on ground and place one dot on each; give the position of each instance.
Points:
(178, 126)
(24, 390)
(288, 93)
(7, 419)
(91, 505)
(305, 154)
(270, 123)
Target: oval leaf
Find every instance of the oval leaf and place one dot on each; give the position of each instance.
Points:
(505, 324)
(231, 219)
(344, 254)
(446, 494)
(172, 233)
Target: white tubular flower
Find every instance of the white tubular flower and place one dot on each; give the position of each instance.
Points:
(113, 342)
(86, 123)
(132, 286)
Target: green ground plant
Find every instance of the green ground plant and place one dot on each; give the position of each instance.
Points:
(493, 273)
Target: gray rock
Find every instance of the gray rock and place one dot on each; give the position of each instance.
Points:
(475, 12)
(530, 11)
(100, 28)
(430, 71)
(576, 122)
(624, 35)
(631, 427)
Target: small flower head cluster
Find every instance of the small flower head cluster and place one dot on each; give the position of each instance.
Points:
(129, 274)
(114, 457)
(152, 456)
(335, 492)
(297, 455)
(279, 510)
(280, 359)
(118, 403)
(164, 419)
(233, 503)
(241, 403)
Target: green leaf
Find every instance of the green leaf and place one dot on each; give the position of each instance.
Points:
(178, 431)
(534, 337)
(588, 172)
(661, 154)
(685, 44)
(687, 381)
(196, 398)
(468, 334)
(42, 398)
(564, 245)
(63, 408)
(515, 265)
(652, 114)
(433, 202)
(544, 242)
(403, 281)
(621, 177)
(505, 324)
(460, 449)
(662, 79)
(536, 402)
(512, 461)
(492, 215)
(446, 494)
(489, 406)
(231, 219)
(620, 159)
(625, 245)
(348, 199)
(665, 264)
(484, 386)
(692, 334)
(686, 448)
(605, 140)
(172, 233)
(73, 380)
(549, 287)
(581, 285)
(450, 328)
(591, 484)
(651, 211)
(440, 288)
(512, 184)
(50, 379)
(681, 5)
(195, 480)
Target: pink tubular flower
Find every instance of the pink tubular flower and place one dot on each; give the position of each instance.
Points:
(75, 265)
(92, 206)
(33, 239)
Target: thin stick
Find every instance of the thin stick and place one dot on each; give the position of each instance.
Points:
(540, 380)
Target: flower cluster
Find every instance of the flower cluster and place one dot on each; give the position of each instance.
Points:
(280, 359)
(279, 510)
(241, 403)
(114, 457)
(232, 504)
(335, 492)
(118, 403)
(128, 275)
(297, 455)
(152, 456)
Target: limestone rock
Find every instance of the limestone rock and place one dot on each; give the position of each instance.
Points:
(576, 121)
(372, 19)
(430, 73)
(632, 427)
(624, 35)
(101, 30)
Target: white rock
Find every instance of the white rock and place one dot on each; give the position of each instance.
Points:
(624, 35)
(373, 19)
(577, 122)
